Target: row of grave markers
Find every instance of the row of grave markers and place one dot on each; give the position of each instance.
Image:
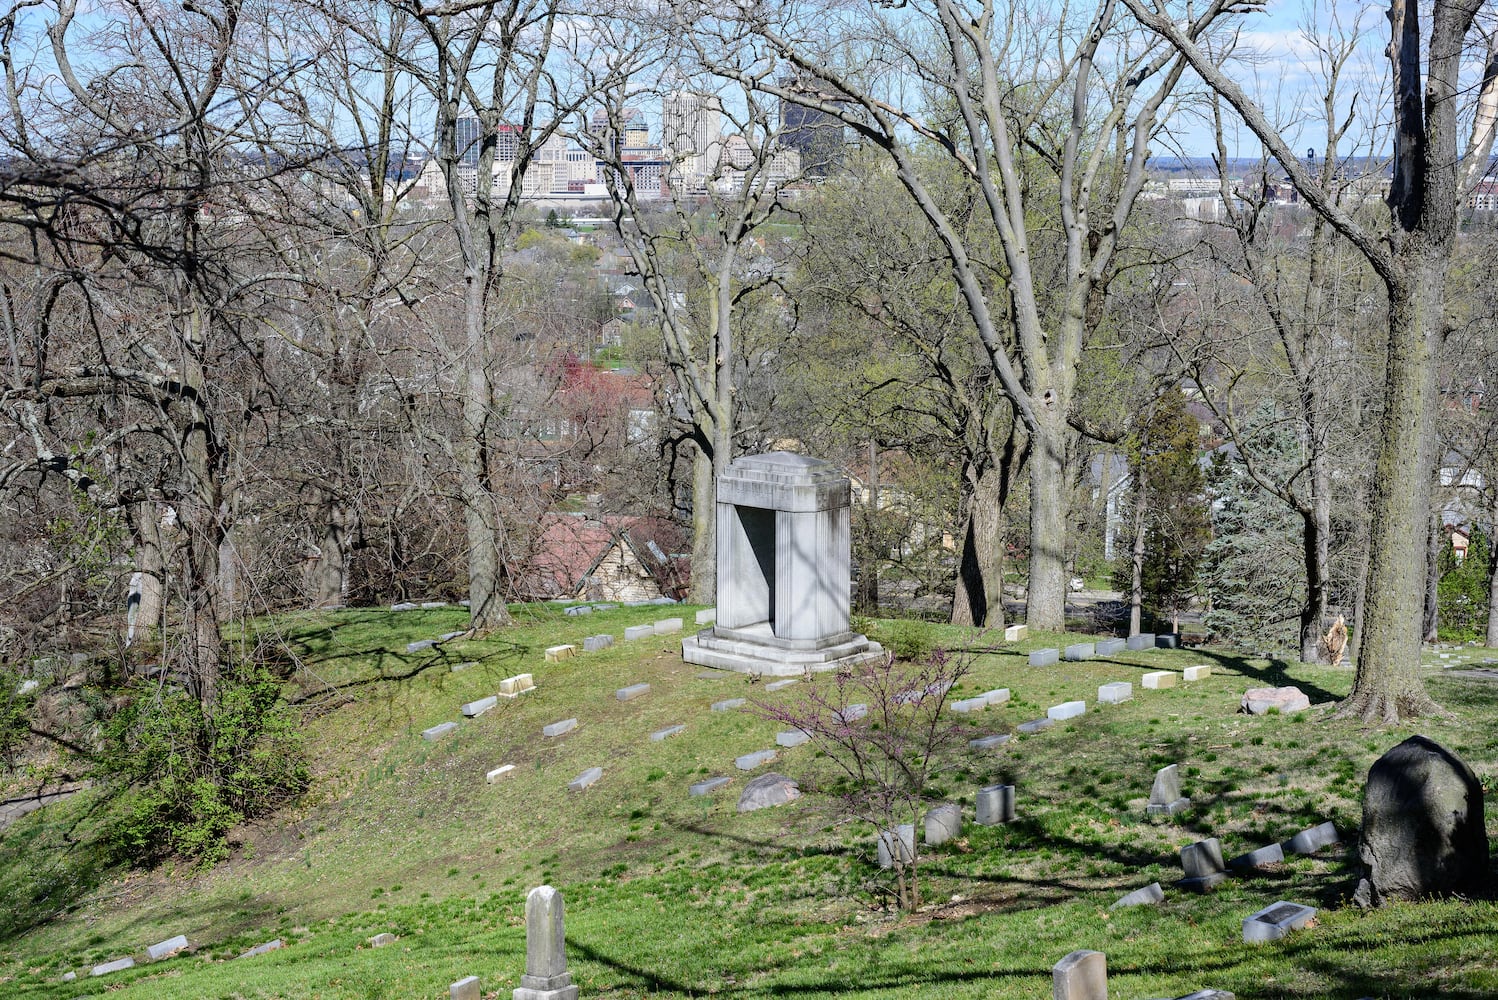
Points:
(163, 950)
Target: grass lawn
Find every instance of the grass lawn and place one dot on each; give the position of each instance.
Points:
(677, 896)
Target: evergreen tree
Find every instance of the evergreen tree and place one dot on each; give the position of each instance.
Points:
(1251, 570)
(1462, 594)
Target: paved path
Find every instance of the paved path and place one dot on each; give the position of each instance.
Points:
(13, 809)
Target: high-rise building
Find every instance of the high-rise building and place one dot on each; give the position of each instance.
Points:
(468, 141)
(813, 133)
(691, 130)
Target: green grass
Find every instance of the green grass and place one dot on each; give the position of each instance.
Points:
(685, 897)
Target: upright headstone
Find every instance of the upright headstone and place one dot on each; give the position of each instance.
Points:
(1165, 795)
(1148, 896)
(466, 988)
(1043, 657)
(1079, 651)
(1082, 975)
(546, 976)
(1107, 647)
(1144, 640)
(1423, 828)
(783, 571)
(896, 845)
(943, 823)
(995, 805)
(1202, 863)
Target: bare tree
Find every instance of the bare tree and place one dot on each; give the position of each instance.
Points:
(1411, 255)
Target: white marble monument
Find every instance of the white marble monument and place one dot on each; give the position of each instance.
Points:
(783, 570)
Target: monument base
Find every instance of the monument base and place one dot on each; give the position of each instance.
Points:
(743, 651)
(559, 987)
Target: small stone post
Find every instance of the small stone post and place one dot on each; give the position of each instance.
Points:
(546, 976)
(1082, 975)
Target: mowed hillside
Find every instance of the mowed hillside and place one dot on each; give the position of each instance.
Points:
(678, 895)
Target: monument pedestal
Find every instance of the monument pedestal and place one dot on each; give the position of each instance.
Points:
(784, 585)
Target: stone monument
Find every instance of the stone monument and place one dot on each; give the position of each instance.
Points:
(783, 571)
(546, 976)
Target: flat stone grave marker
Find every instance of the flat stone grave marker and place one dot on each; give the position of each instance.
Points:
(791, 738)
(581, 610)
(767, 791)
(261, 949)
(781, 685)
(1115, 693)
(633, 632)
(706, 616)
(1275, 921)
(750, 761)
(381, 940)
(632, 692)
(118, 965)
(1080, 651)
(1066, 710)
(585, 779)
(170, 946)
(1107, 647)
(995, 805)
(463, 666)
(1287, 700)
(1312, 840)
(706, 786)
(474, 709)
(1035, 726)
(1168, 641)
(450, 636)
(1148, 896)
(1272, 855)
(419, 645)
(432, 605)
(989, 742)
(1202, 862)
(1196, 673)
(1158, 680)
(943, 823)
(1141, 641)
(466, 988)
(995, 697)
(514, 687)
(1165, 795)
(1082, 975)
(438, 731)
(502, 771)
(728, 704)
(852, 713)
(967, 705)
(667, 626)
(404, 606)
(667, 733)
(556, 654)
(897, 843)
(1016, 633)
(595, 643)
(1044, 657)
(559, 728)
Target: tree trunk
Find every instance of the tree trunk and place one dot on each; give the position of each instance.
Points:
(1046, 596)
(1387, 684)
(481, 517)
(1432, 617)
(1315, 528)
(1136, 563)
(867, 598)
(144, 605)
(1491, 640)
(327, 574)
(704, 587)
(979, 597)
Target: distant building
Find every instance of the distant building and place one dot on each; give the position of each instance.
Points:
(691, 134)
(818, 137)
(606, 558)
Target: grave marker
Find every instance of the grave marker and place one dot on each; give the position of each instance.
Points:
(1082, 975)
(502, 771)
(1107, 647)
(728, 704)
(1148, 896)
(432, 605)
(1165, 795)
(1286, 700)
(750, 761)
(707, 616)
(667, 626)
(585, 779)
(581, 610)
(404, 606)
(1115, 693)
(546, 976)
(381, 940)
(1312, 840)
(466, 988)
(473, 709)
(704, 787)
(1167, 641)
(261, 949)
(898, 843)
(1044, 657)
(1202, 862)
(995, 697)
(438, 731)
(1260, 858)
(667, 733)
(781, 685)
(1066, 710)
(967, 705)
(767, 791)
(118, 965)
(1196, 673)
(1016, 633)
(989, 742)
(1080, 651)
(792, 738)
(1158, 680)
(450, 636)
(1035, 726)
(594, 643)
(556, 654)
(559, 728)
(995, 805)
(634, 632)
(462, 666)
(632, 692)
(419, 645)
(514, 687)
(170, 946)
(1275, 921)
(1141, 641)
(943, 823)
